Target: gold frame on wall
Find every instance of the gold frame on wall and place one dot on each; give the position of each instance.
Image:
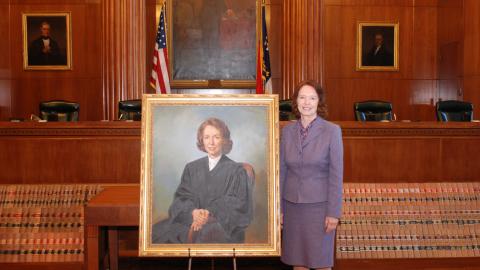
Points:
(169, 132)
(60, 23)
(207, 83)
(385, 59)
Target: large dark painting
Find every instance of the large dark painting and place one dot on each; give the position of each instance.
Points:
(213, 39)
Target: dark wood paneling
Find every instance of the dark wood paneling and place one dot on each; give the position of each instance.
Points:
(472, 54)
(85, 36)
(431, 49)
(29, 92)
(81, 84)
(472, 38)
(108, 51)
(302, 54)
(274, 21)
(5, 34)
(113, 43)
(450, 50)
(472, 93)
(123, 52)
(424, 43)
(5, 98)
(341, 39)
(150, 31)
(5, 72)
(413, 89)
(411, 99)
(380, 3)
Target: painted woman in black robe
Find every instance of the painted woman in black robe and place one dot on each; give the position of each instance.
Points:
(213, 203)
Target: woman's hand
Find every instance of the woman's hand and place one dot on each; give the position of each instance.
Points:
(200, 217)
(330, 224)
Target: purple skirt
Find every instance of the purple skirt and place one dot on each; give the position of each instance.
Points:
(304, 241)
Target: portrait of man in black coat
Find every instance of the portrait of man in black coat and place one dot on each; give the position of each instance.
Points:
(45, 50)
(379, 54)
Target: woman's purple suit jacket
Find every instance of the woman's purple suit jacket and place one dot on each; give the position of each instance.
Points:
(312, 171)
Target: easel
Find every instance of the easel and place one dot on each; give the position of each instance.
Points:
(212, 265)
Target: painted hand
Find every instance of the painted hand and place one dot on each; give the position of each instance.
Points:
(200, 217)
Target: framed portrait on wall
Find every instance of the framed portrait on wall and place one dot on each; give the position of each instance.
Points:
(212, 43)
(377, 46)
(47, 41)
(209, 177)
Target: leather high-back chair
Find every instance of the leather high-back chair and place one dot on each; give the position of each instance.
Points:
(130, 110)
(285, 110)
(454, 110)
(59, 110)
(373, 110)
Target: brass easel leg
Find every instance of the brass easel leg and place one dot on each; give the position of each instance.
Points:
(234, 260)
(189, 260)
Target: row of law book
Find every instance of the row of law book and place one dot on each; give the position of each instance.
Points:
(46, 195)
(38, 219)
(409, 220)
(43, 223)
(41, 247)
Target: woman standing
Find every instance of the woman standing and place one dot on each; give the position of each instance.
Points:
(311, 173)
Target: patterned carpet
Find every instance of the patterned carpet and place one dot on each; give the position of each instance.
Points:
(43, 223)
(415, 220)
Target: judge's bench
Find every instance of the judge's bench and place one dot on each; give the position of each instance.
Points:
(108, 153)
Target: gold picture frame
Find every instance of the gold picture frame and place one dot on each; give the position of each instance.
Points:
(212, 44)
(377, 46)
(240, 193)
(47, 41)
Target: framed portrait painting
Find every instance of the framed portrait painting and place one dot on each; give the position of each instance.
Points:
(377, 46)
(47, 41)
(209, 178)
(212, 43)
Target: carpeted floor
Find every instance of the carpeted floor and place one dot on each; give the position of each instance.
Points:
(202, 264)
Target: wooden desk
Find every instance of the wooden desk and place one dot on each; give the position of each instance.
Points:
(115, 206)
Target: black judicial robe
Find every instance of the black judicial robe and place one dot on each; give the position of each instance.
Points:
(226, 192)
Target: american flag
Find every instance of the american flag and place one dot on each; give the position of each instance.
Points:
(264, 83)
(159, 79)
